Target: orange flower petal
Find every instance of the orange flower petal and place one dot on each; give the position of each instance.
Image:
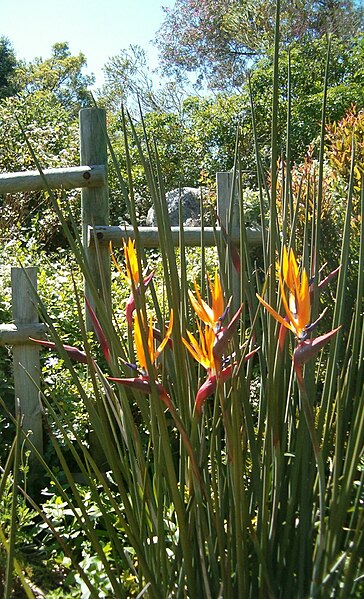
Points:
(138, 341)
(202, 309)
(275, 314)
(166, 338)
(304, 304)
(196, 351)
(293, 272)
(216, 296)
(289, 313)
(131, 261)
(203, 352)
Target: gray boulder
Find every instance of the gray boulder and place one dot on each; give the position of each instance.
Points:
(190, 199)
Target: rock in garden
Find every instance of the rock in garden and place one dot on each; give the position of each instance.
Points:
(190, 200)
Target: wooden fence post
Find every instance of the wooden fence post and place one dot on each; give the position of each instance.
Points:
(224, 189)
(95, 203)
(228, 193)
(26, 356)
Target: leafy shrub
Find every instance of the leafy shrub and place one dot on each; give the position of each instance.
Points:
(341, 135)
(54, 139)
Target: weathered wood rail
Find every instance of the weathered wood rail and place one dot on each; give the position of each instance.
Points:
(73, 177)
(150, 236)
(91, 178)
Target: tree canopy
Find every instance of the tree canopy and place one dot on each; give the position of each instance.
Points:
(61, 74)
(306, 64)
(130, 81)
(222, 39)
(8, 65)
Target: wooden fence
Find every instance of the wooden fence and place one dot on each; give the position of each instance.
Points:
(91, 178)
(26, 363)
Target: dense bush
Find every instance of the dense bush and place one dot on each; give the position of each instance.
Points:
(54, 139)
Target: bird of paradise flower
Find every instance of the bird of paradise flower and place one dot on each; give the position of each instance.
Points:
(142, 382)
(131, 277)
(297, 307)
(213, 340)
(211, 315)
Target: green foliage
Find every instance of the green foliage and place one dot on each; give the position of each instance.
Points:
(43, 119)
(24, 525)
(229, 499)
(60, 75)
(341, 136)
(50, 93)
(54, 283)
(128, 75)
(6, 388)
(192, 147)
(220, 39)
(199, 139)
(257, 491)
(8, 64)
(307, 73)
(54, 137)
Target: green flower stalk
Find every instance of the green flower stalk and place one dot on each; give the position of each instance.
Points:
(297, 308)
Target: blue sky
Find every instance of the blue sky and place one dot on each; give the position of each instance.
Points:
(33, 26)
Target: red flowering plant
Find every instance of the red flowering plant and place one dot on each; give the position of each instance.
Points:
(131, 277)
(214, 339)
(142, 381)
(141, 329)
(296, 292)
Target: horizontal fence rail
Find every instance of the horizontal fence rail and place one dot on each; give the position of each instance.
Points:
(73, 177)
(12, 334)
(150, 236)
